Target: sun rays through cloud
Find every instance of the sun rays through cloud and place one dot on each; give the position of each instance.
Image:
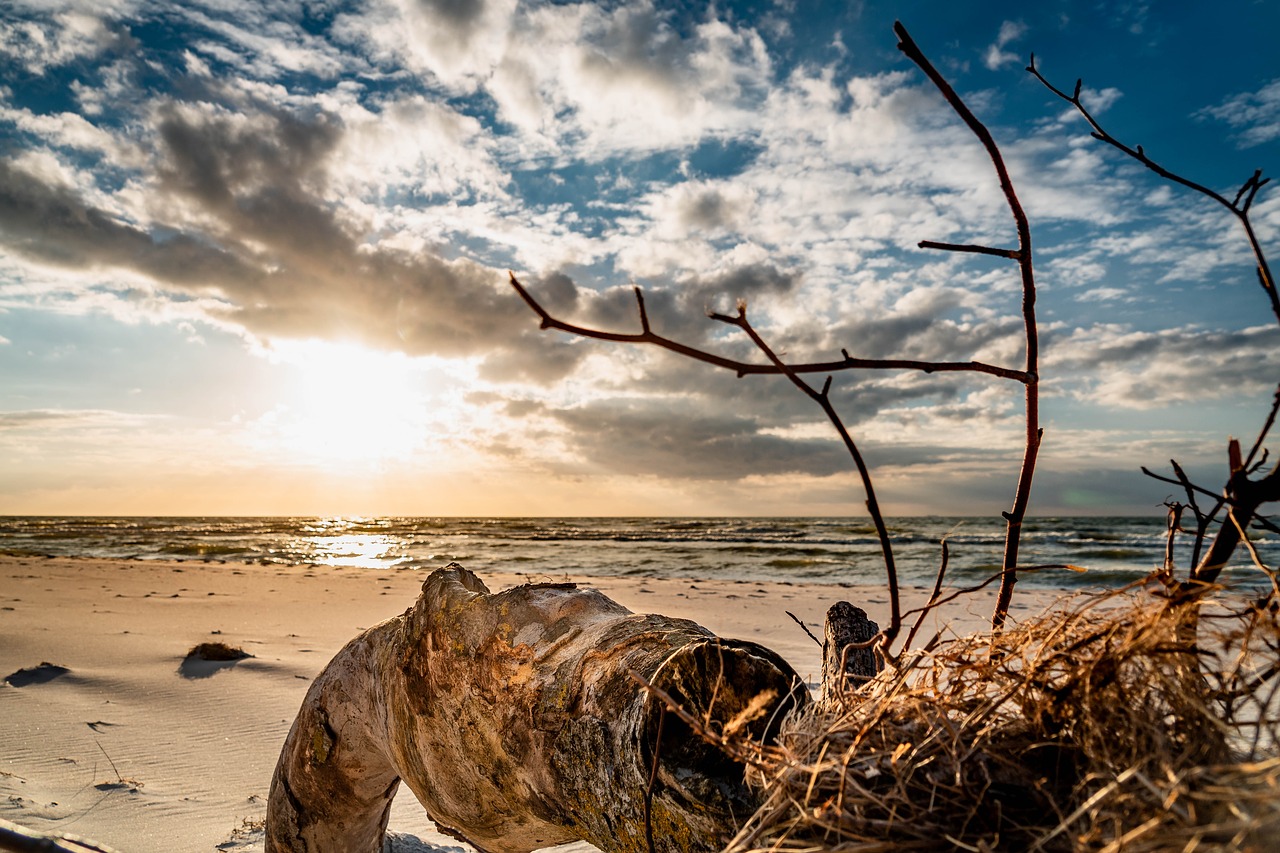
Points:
(263, 248)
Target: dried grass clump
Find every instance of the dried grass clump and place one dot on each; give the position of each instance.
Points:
(1117, 721)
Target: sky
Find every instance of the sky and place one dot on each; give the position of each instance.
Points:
(254, 253)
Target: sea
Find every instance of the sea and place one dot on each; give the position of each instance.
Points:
(1103, 552)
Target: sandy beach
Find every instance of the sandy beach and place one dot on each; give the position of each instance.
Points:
(122, 740)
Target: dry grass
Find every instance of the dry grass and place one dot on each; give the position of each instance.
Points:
(1113, 722)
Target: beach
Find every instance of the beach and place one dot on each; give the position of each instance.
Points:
(108, 732)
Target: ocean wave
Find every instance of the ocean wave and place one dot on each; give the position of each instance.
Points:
(833, 550)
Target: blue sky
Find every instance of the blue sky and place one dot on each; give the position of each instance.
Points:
(253, 254)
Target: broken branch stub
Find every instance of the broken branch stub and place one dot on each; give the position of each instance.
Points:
(847, 651)
(516, 721)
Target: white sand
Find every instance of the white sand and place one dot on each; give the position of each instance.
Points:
(137, 750)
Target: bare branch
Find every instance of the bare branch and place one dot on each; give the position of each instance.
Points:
(1180, 481)
(1257, 559)
(1239, 208)
(1034, 434)
(742, 368)
(1011, 254)
(1174, 525)
(1266, 428)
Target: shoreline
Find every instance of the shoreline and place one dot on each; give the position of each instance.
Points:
(134, 748)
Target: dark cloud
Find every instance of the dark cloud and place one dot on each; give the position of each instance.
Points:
(52, 224)
(256, 229)
(456, 15)
(708, 209)
(686, 440)
(1111, 346)
(655, 440)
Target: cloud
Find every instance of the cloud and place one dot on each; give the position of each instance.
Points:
(1130, 369)
(1255, 115)
(996, 56)
(240, 213)
(457, 43)
(576, 77)
(369, 177)
(255, 38)
(45, 41)
(70, 130)
(43, 418)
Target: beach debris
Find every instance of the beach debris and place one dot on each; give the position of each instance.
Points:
(207, 659)
(1096, 725)
(217, 652)
(847, 654)
(528, 718)
(38, 674)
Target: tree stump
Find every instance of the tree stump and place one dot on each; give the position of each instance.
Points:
(516, 721)
(845, 657)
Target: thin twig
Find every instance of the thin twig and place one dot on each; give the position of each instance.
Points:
(823, 399)
(803, 627)
(1011, 254)
(933, 597)
(1266, 428)
(653, 780)
(1239, 206)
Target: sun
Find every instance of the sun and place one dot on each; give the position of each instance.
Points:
(345, 404)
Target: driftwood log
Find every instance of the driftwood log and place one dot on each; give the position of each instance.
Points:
(516, 721)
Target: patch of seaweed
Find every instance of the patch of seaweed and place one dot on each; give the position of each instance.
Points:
(217, 651)
(1117, 721)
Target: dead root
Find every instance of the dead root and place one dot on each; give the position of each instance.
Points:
(1118, 721)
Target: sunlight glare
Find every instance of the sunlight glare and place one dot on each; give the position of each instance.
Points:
(353, 405)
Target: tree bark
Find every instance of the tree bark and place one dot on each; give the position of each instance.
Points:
(516, 721)
(846, 656)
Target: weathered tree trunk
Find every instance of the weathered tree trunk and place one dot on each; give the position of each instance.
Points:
(846, 659)
(515, 721)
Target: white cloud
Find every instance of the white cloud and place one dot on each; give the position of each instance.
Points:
(578, 79)
(262, 39)
(996, 56)
(1103, 294)
(40, 43)
(1256, 115)
(71, 130)
(416, 144)
(458, 44)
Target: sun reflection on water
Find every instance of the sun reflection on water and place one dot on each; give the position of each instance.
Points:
(349, 542)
